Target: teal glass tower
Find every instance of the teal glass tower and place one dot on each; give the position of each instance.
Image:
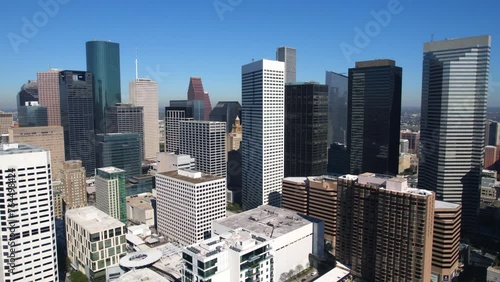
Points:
(103, 61)
(120, 150)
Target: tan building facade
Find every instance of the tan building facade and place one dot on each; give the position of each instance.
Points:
(5, 122)
(235, 136)
(50, 138)
(57, 199)
(49, 95)
(74, 186)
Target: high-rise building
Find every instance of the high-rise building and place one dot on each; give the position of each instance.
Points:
(337, 107)
(196, 92)
(162, 134)
(120, 150)
(492, 133)
(446, 241)
(263, 116)
(190, 201)
(206, 142)
(28, 93)
(374, 111)
(338, 159)
(73, 185)
(490, 157)
(197, 107)
(48, 95)
(454, 93)
(6, 120)
(170, 162)
(127, 118)
(413, 140)
(28, 227)
(288, 55)
(381, 234)
(103, 61)
(95, 241)
(77, 117)
(306, 129)
(57, 199)
(234, 137)
(110, 192)
(144, 93)
(50, 138)
(227, 112)
(173, 117)
(32, 114)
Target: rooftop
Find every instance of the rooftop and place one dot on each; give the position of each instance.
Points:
(337, 274)
(92, 219)
(267, 220)
(111, 169)
(142, 201)
(143, 274)
(141, 259)
(296, 180)
(445, 205)
(181, 175)
(15, 148)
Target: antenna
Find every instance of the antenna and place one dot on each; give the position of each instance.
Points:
(136, 66)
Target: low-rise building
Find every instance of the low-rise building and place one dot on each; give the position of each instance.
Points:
(140, 210)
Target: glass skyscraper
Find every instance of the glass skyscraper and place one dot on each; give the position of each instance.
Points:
(103, 61)
(120, 150)
(454, 93)
(337, 107)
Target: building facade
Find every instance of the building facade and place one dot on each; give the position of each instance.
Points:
(288, 55)
(77, 117)
(32, 114)
(73, 184)
(337, 107)
(127, 118)
(492, 133)
(173, 117)
(205, 141)
(263, 93)
(121, 150)
(413, 140)
(110, 192)
(490, 157)
(27, 192)
(455, 73)
(197, 93)
(144, 93)
(226, 111)
(6, 120)
(48, 95)
(170, 162)
(306, 129)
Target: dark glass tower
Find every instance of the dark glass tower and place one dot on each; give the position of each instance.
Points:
(306, 129)
(374, 113)
(120, 150)
(227, 112)
(30, 112)
(337, 107)
(77, 117)
(103, 61)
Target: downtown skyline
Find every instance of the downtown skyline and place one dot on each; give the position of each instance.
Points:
(172, 45)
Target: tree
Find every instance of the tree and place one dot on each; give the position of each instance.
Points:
(77, 276)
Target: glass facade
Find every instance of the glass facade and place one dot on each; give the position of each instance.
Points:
(120, 176)
(31, 116)
(337, 107)
(103, 61)
(227, 112)
(120, 150)
(140, 184)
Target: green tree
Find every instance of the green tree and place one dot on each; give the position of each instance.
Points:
(77, 276)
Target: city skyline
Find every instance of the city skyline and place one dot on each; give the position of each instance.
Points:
(171, 58)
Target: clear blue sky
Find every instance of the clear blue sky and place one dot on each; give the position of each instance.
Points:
(179, 39)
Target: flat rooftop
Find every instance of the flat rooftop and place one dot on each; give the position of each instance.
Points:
(15, 148)
(203, 178)
(445, 205)
(92, 219)
(111, 169)
(337, 274)
(142, 201)
(143, 274)
(296, 180)
(267, 220)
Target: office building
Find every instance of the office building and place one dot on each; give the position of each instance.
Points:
(121, 150)
(110, 192)
(239, 255)
(48, 95)
(26, 174)
(227, 111)
(190, 201)
(138, 184)
(77, 117)
(288, 55)
(446, 241)
(413, 140)
(292, 237)
(170, 162)
(6, 121)
(234, 176)
(455, 72)
(95, 241)
(28, 93)
(403, 146)
(32, 114)
(197, 93)
(103, 61)
(196, 106)
(235, 136)
(144, 93)
(73, 184)
(205, 141)
(374, 108)
(173, 116)
(337, 107)
(49, 138)
(492, 133)
(490, 157)
(381, 234)
(306, 129)
(263, 92)
(127, 118)
(162, 132)
(57, 199)
(338, 159)
(140, 210)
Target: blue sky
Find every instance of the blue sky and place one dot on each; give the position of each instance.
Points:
(214, 38)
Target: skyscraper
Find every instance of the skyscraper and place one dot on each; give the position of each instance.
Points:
(74, 187)
(492, 134)
(196, 106)
(28, 93)
(103, 61)
(127, 118)
(454, 93)
(306, 129)
(32, 114)
(227, 112)
(196, 92)
(120, 150)
(205, 141)
(110, 192)
(374, 111)
(77, 117)
(5, 122)
(173, 117)
(28, 221)
(288, 55)
(48, 95)
(263, 117)
(144, 93)
(337, 107)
